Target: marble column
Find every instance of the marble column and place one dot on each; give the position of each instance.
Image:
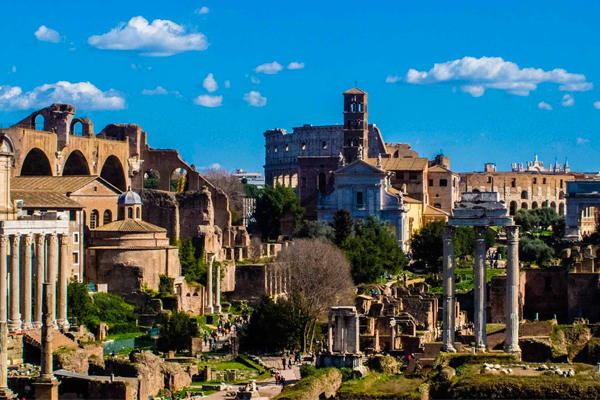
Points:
(63, 278)
(46, 386)
(26, 242)
(511, 342)
(51, 273)
(5, 392)
(209, 285)
(480, 286)
(448, 283)
(14, 317)
(218, 290)
(38, 279)
(330, 335)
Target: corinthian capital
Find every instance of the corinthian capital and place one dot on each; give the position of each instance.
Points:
(3, 240)
(480, 232)
(448, 233)
(512, 232)
(28, 239)
(39, 239)
(64, 239)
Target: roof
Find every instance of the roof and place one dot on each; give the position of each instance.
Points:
(411, 200)
(401, 164)
(355, 91)
(430, 210)
(439, 168)
(129, 198)
(43, 199)
(62, 184)
(130, 225)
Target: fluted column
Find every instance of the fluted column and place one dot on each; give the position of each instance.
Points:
(26, 242)
(38, 279)
(51, 275)
(63, 280)
(330, 334)
(14, 317)
(480, 286)
(511, 342)
(218, 290)
(209, 285)
(449, 317)
(5, 392)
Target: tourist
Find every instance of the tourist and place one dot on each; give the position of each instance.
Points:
(282, 380)
(290, 363)
(283, 360)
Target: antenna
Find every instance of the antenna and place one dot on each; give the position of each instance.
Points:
(355, 84)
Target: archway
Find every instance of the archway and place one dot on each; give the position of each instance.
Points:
(76, 164)
(513, 207)
(107, 217)
(151, 179)
(524, 194)
(37, 122)
(553, 206)
(179, 181)
(94, 219)
(561, 209)
(534, 205)
(36, 163)
(77, 128)
(112, 172)
(524, 206)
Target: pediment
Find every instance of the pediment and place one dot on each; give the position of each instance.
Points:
(359, 167)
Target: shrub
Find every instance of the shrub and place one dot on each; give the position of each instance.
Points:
(307, 370)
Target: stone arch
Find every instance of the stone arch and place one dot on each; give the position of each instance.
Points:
(151, 179)
(36, 163)
(35, 121)
(87, 128)
(553, 206)
(113, 172)
(179, 180)
(545, 204)
(524, 206)
(561, 209)
(524, 195)
(94, 219)
(513, 208)
(534, 205)
(76, 164)
(107, 217)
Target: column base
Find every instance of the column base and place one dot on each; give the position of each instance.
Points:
(14, 326)
(46, 388)
(37, 324)
(27, 326)
(481, 349)
(217, 309)
(210, 310)
(6, 393)
(448, 349)
(512, 349)
(63, 324)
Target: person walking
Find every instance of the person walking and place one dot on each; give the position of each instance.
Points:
(283, 361)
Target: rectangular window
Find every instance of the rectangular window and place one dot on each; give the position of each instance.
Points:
(359, 199)
(561, 183)
(29, 212)
(534, 181)
(431, 182)
(489, 179)
(544, 181)
(72, 215)
(75, 257)
(443, 182)
(76, 238)
(412, 176)
(513, 182)
(399, 175)
(303, 182)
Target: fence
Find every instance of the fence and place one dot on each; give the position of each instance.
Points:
(125, 345)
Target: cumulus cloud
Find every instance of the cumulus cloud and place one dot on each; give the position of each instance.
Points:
(202, 10)
(44, 34)
(254, 99)
(567, 100)
(544, 106)
(295, 65)
(393, 79)
(269, 68)
(209, 83)
(82, 95)
(207, 100)
(227, 84)
(597, 104)
(581, 141)
(476, 75)
(159, 91)
(160, 38)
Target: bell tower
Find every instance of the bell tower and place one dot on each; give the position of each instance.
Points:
(356, 125)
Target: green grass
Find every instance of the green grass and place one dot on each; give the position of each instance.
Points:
(224, 365)
(467, 283)
(121, 336)
(491, 328)
(307, 385)
(380, 385)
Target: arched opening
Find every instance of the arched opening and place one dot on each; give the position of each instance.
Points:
(322, 181)
(151, 179)
(534, 205)
(112, 172)
(545, 204)
(129, 212)
(77, 128)
(137, 212)
(38, 122)
(561, 209)
(524, 194)
(94, 218)
(179, 181)
(513, 208)
(36, 164)
(524, 206)
(553, 206)
(107, 217)
(76, 164)
(476, 191)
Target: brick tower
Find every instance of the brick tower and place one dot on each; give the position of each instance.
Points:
(356, 125)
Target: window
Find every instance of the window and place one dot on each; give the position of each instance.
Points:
(324, 145)
(107, 218)
(129, 212)
(489, 179)
(76, 238)
(443, 182)
(303, 182)
(513, 208)
(412, 176)
(72, 215)
(561, 183)
(431, 182)
(534, 181)
(275, 150)
(437, 205)
(75, 257)
(322, 181)
(544, 181)
(303, 146)
(359, 199)
(513, 182)
(137, 212)
(287, 147)
(29, 212)
(524, 194)
(94, 218)
(437, 195)
(95, 188)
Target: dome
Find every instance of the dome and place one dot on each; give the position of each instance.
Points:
(129, 198)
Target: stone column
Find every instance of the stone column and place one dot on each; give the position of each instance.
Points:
(330, 334)
(51, 273)
(511, 342)
(14, 317)
(449, 319)
(63, 278)
(480, 286)
(38, 279)
(209, 285)
(46, 386)
(26, 242)
(218, 291)
(5, 392)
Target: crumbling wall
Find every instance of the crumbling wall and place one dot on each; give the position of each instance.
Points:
(250, 282)
(161, 209)
(75, 360)
(584, 296)
(546, 294)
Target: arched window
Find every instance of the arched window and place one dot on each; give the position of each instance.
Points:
(129, 212)
(534, 205)
(524, 194)
(322, 181)
(524, 206)
(137, 212)
(561, 209)
(513, 207)
(561, 195)
(545, 204)
(94, 219)
(120, 214)
(107, 217)
(553, 206)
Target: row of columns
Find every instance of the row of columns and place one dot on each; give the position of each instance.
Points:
(511, 342)
(216, 306)
(27, 267)
(277, 280)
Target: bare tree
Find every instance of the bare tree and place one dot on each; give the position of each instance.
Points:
(231, 186)
(255, 249)
(319, 279)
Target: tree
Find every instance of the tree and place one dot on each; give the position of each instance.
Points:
(342, 225)
(252, 191)
(535, 251)
(546, 216)
(165, 285)
(176, 332)
(527, 220)
(320, 278)
(315, 229)
(426, 245)
(115, 312)
(194, 269)
(373, 251)
(558, 228)
(232, 187)
(255, 249)
(79, 303)
(275, 203)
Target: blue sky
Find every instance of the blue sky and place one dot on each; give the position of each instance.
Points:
(540, 55)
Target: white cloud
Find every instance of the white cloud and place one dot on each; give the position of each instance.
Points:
(207, 100)
(269, 68)
(544, 106)
(255, 99)
(227, 84)
(13, 69)
(202, 10)
(254, 80)
(160, 38)
(295, 65)
(82, 95)
(582, 141)
(476, 75)
(44, 34)
(567, 100)
(133, 66)
(597, 104)
(160, 91)
(209, 83)
(393, 79)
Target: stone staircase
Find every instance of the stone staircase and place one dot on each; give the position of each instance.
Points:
(34, 338)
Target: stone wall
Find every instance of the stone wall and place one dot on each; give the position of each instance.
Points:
(497, 298)
(584, 296)
(250, 282)
(546, 293)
